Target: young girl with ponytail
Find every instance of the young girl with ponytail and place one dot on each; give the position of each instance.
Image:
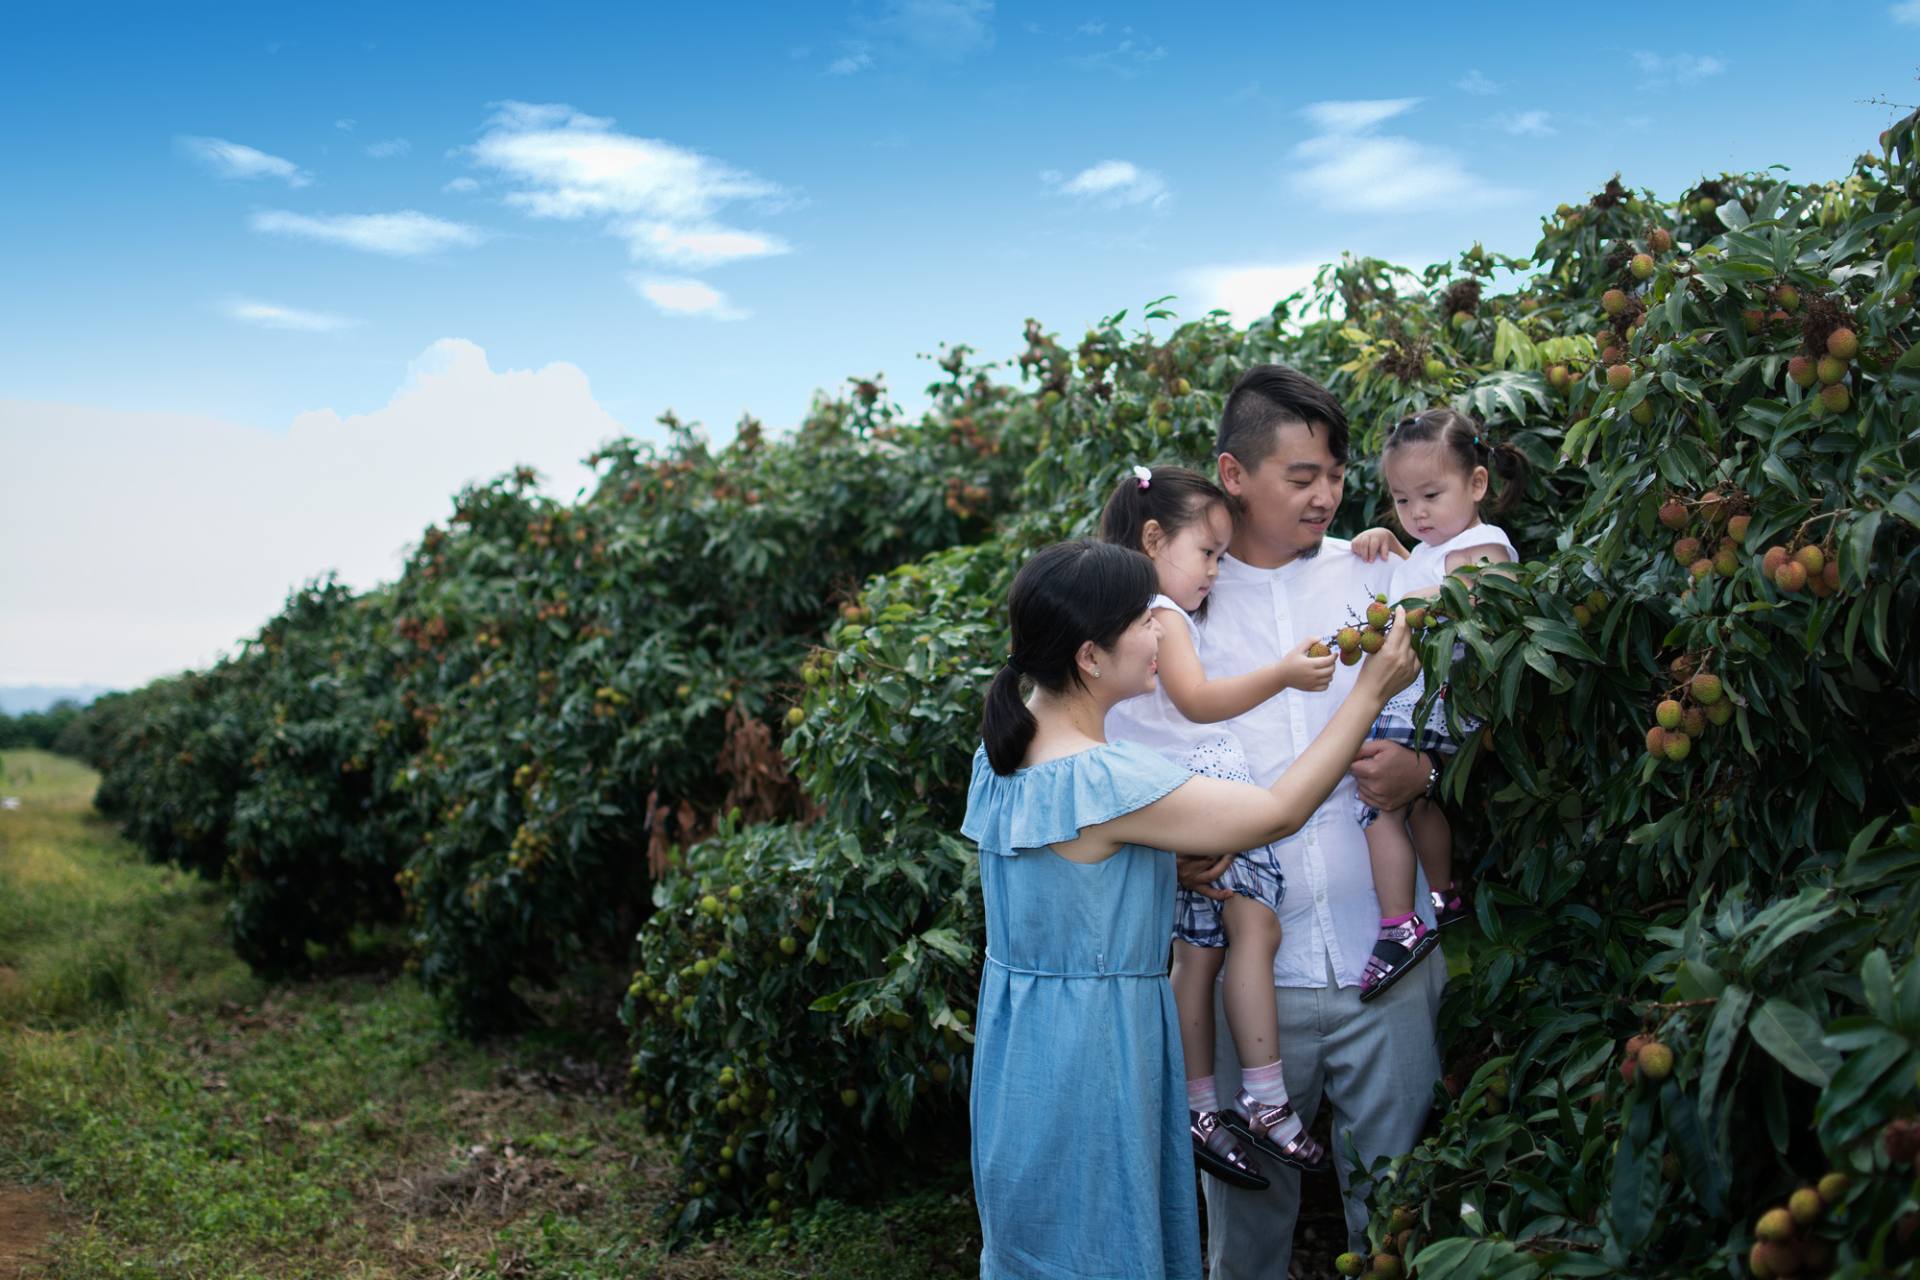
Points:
(1181, 522)
(1436, 466)
(1081, 1162)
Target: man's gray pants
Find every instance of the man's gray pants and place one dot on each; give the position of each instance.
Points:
(1376, 1065)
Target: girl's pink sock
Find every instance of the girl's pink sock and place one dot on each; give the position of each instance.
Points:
(1389, 922)
(1201, 1095)
(1265, 1083)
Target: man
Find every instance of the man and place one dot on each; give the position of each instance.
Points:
(1281, 453)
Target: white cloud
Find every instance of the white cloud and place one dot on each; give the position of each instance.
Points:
(344, 124)
(686, 297)
(389, 149)
(1475, 83)
(1907, 12)
(233, 160)
(1127, 59)
(1525, 124)
(1091, 29)
(1680, 68)
(1112, 182)
(944, 28)
(461, 187)
(849, 64)
(704, 245)
(160, 539)
(1348, 167)
(1248, 290)
(268, 315)
(1358, 116)
(404, 234)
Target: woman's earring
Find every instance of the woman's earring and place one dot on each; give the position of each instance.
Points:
(1096, 673)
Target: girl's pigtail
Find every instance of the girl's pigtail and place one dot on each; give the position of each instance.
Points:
(1007, 727)
(1511, 465)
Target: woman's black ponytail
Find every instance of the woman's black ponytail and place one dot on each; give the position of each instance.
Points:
(1068, 594)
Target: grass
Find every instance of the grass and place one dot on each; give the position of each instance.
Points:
(197, 1121)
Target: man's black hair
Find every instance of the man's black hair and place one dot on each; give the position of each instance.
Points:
(1271, 396)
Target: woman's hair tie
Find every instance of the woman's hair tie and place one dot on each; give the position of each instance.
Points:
(1144, 475)
(1013, 664)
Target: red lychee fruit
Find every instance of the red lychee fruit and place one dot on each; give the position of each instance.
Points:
(1791, 577)
(1830, 575)
(1673, 514)
(1801, 370)
(1613, 302)
(1843, 344)
(1659, 240)
(1657, 742)
(1737, 527)
(1619, 376)
(1347, 639)
(1752, 321)
(1775, 557)
(1700, 569)
(1378, 614)
(1693, 723)
(1686, 550)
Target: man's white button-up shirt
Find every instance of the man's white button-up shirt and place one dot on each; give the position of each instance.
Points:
(1254, 617)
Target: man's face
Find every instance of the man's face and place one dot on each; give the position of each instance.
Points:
(1287, 502)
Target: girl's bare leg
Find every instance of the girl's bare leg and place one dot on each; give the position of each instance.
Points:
(1194, 969)
(1432, 840)
(1391, 853)
(1253, 935)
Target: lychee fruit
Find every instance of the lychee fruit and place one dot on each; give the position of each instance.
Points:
(1737, 527)
(1806, 1206)
(1418, 618)
(1558, 377)
(1700, 569)
(1705, 689)
(1318, 649)
(1769, 1261)
(1611, 354)
(1719, 713)
(1811, 559)
(1693, 722)
(1642, 413)
(1371, 640)
(1350, 1264)
(1843, 344)
(1678, 746)
(1641, 266)
(1668, 713)
(1673, 514)
(1619, 376)
(1681, 667)
(1435, 369)
(1836, 398)
(1829, 370)
(1726, 560)
(1752, 321)
(1801, 369)
(1775, 1226)
(1386, 1267)
(1613, 302)
(1655, 1058)
(1833, 1185)
(1582, 616)
(1350, 656)
(1787, 298)
(1659, 240)
(1657, 742)
(1775, 557)
(1686, 550)
(1347, 639)
(1791, 577)
(1378, 614)
(1830, 575)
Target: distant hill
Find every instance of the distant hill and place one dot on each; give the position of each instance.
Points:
(18, 699)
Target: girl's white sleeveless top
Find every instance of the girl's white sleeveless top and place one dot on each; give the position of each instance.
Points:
(1153, 721)
(1426, 566)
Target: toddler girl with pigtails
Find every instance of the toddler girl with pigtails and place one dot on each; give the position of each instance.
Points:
(1436, 466)
(1181, 521)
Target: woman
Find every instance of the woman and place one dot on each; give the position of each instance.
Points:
(1082, 1162)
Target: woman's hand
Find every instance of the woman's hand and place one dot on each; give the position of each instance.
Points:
(1394, 667)
(1199, 873)
(1378, 544)
(1307, 673)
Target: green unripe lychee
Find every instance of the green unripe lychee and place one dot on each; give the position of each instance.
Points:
(1641, 266)
(1720, 712)
(1806, 1206)
(1659, 240)
(1737, 527)
(1435, 369)
(1829, 370)
(1836, 398)
(796, 716)
(1613, 302)
(1811, 559)
(1705, 689)
(1775, 1226)
(788, 945)
(1371, 640)
(1350, 1264)
(1596, 602)
(1386, 1267)
(1686, 550)
(1843, 344)
(1347, 639)
(1678, 747)
(1642, 413)
(1833, 1185)
(1668, 713)
(1558, 377)
(1787, 298)
(1726, 561)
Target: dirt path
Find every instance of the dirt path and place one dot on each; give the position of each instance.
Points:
(27, 1217)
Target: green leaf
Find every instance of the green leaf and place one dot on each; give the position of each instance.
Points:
(1723, 1032)
(1792, 1036)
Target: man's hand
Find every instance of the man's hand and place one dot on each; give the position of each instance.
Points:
(1391, 776)
(1198, 873)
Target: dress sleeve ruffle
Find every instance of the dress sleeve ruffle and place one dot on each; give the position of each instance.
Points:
(1050, 803)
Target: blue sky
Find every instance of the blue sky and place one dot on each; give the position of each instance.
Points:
(243, 215)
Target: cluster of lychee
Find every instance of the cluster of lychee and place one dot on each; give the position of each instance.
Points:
(1708, 515)
(1808, 567)
(1646, 1056)
(1828, 368)
(1783, 300)
(1783, 1244)
(1387, 1264)
(1354, 643)
(1682, 717)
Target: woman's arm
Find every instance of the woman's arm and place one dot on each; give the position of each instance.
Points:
(1205, 701)
(1209, 815)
